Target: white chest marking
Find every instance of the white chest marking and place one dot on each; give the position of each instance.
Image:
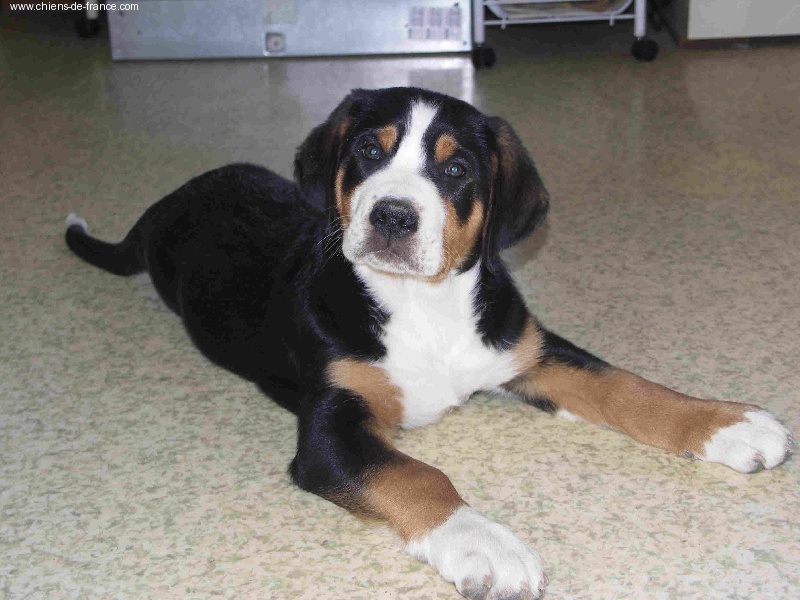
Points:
(435, 354)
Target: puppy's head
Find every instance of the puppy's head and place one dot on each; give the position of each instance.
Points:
(421, 184)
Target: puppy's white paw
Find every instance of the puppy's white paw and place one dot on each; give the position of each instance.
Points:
(758, 441)
(483, 559)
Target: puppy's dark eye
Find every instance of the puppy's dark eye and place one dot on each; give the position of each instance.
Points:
(372, 152)
(454, 170)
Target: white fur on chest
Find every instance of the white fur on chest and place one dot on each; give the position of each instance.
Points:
(434, 352)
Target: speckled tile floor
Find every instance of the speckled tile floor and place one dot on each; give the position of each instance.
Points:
(130, 468)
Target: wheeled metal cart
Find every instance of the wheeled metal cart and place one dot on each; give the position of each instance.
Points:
(510, 12)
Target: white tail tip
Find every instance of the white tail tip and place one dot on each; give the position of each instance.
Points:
(73, 219)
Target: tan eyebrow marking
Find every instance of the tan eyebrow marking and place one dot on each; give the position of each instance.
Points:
(446, 146)
(387, 137)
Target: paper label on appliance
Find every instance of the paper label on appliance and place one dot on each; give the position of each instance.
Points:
(434, 23)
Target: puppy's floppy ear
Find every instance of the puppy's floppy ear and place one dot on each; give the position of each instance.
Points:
(518, 199)
(318, 156)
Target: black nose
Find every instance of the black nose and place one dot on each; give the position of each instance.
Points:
(394, 218)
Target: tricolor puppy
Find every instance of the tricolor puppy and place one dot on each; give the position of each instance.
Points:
(370, 295)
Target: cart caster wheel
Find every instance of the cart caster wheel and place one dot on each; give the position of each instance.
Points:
(483, 56)
(87, 28)
(644, 49)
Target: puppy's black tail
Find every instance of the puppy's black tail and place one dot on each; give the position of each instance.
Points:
(124, 258)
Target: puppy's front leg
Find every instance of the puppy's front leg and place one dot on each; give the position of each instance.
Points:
(344, 455)
(569, 381)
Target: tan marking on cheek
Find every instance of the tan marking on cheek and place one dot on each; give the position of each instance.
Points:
(342, 199)
(458, 238)
(414, 498)
(648, 412)
(387, 137)
(445, 147)
(371, 383)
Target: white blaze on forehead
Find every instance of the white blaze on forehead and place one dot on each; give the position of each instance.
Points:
(411, 153)
(404, 177)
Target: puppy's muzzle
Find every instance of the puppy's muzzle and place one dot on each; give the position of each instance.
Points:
(394, 218)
